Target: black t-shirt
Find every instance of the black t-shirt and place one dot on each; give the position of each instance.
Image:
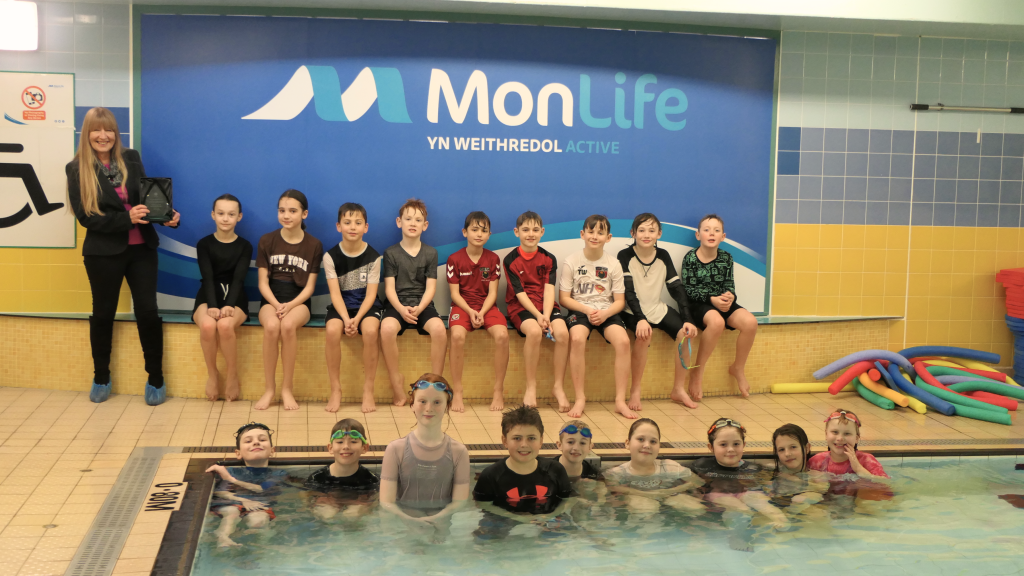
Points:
(590, 471)
(323, 481)
(538, 492)
(727, 479)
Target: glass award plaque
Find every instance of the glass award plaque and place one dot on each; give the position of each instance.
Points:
(156, 194)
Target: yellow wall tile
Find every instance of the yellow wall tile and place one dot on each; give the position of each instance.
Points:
(831, 236)
(785, 236)
(942, 261)
(807, 260)
(830, 260)
(828, 286)
(853, 236)
(808, 236)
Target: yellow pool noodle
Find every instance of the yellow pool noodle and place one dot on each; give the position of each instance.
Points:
(807, 388)
(916, 405)
(883, 391)
(979, 366)
(950, 364)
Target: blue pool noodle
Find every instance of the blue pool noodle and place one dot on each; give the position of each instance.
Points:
(887, 377)
(927, 398)
(952, 351)
(866, 355)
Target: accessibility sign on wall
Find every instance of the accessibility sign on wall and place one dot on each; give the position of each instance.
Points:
(37, 138)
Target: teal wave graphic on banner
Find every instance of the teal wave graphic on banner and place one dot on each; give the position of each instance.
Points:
(322, 85)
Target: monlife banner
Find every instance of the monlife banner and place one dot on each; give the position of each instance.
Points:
(565, 122)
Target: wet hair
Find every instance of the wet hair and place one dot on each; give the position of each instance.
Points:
(595, 220)
(638, 422)
(529, 216)
(347, 424)
(796, 432)
(711, 217)
(714, 433)
(296, 195)
(578, 424)
(478, 217)
(521, 416)
(413, 204)
(844, 419)
(351, 207)
(252, 426)
(228, 198)
(431, 377)
(645, 217)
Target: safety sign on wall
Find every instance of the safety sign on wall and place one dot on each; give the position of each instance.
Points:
(37, 139)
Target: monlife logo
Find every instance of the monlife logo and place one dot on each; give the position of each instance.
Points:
(384, 86)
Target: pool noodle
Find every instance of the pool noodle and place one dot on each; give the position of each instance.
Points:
(947, 380)
(948, 371)
(807, 388)
(863, 355)
(874, 375)
(850, 375)
(914, 404)
(875, 398)
(886, 377)
(958, 399)
(895, 397)
(980, 366)
(990, 387)
(985, 415)
(923, 375)
(953, 351)
(930, 400)
(994, 399)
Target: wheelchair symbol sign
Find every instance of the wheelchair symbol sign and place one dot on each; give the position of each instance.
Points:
(27, 174)
(33, 97)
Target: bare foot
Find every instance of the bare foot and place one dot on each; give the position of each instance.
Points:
(211, 388)
(288, 400)
(577, 408)
(368, 403)
(334, 402)
(231, 389)
(741, 380)
(530, 398)
(679, 395)
(457, 405)
(695, 385)
(498, 402)
(398, 397)
(265, 401)
(224, 542)
(563, 402)
(634, 401)
(623, 409)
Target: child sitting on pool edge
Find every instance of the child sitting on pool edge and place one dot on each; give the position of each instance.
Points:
(346, 483)
(254, 447)
(842, 433)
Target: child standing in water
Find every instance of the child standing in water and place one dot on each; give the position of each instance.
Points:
(649, 482)
(425, 476)
(222, 304)
(247, 491)
(575, 440)
(842, 432)
(794, 485)
(345, 485)
(288, 261)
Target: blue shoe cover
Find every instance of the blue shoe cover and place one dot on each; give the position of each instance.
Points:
(155, 396)
(99, 392)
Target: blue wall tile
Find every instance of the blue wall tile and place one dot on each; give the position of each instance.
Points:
(812, 139)
(878, 189)
(966, 215)
(921, 215)
(902, 141)
(1009, 216)
(991, 167)
(899, 189)
(853, 212)
(810, 212)
(787, 187)
(945, 190)
(857, 140)
(902, 166)
(877, 213)
(966, 191)
(878, 165)
(926, 142)
(788, 163)
(856, 164)
(988, 191)
(786, 212)
(1012, 168)
(991, 144)
(1010, 192)
(988, 215)
(945, 166)
(924, 190)
(835, 139)
(969, 145)
(832, 188)
(949, 143)
(810, 163)
(943, 214)
(831, 212)
(810, 187)
(924, 166)
(899, 213)
(1013, 145)
(967, 167)
(881, 141)
(789, 138)
(834, 164)
(856, 188)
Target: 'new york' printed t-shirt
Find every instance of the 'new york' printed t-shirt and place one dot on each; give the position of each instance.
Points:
(592, 283)
(474, 278)
(289, 262)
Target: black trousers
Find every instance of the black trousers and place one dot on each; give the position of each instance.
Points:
(138, 265)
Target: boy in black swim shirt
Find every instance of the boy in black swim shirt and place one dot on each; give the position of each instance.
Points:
(346, 486)
(523, 483)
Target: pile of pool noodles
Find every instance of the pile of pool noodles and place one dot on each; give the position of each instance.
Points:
(1013, 280)
(947, 379)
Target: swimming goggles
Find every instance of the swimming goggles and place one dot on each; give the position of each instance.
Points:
(725, 423)
(441, 386)
(843, 414)
(573, 429)
(354, 434)
(253, 426)
(685, 359)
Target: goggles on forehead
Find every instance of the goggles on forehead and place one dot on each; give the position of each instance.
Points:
(725, 423)
(441, 386)
(253, 426)
(354, 434)
(843, 414)
(573, 429)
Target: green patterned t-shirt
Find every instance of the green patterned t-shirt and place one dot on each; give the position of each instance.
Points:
(704, 280)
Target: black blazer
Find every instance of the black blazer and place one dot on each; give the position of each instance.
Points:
(107, 234)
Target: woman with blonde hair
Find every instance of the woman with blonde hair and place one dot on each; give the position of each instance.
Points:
(103, 187)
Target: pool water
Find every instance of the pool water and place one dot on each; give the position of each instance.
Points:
(940, 516)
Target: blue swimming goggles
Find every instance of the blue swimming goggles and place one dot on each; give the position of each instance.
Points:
(354, 434)
(441, 386)
(686, 357)
(573, 429)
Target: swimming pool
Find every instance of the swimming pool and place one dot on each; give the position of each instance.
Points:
(944, 516)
